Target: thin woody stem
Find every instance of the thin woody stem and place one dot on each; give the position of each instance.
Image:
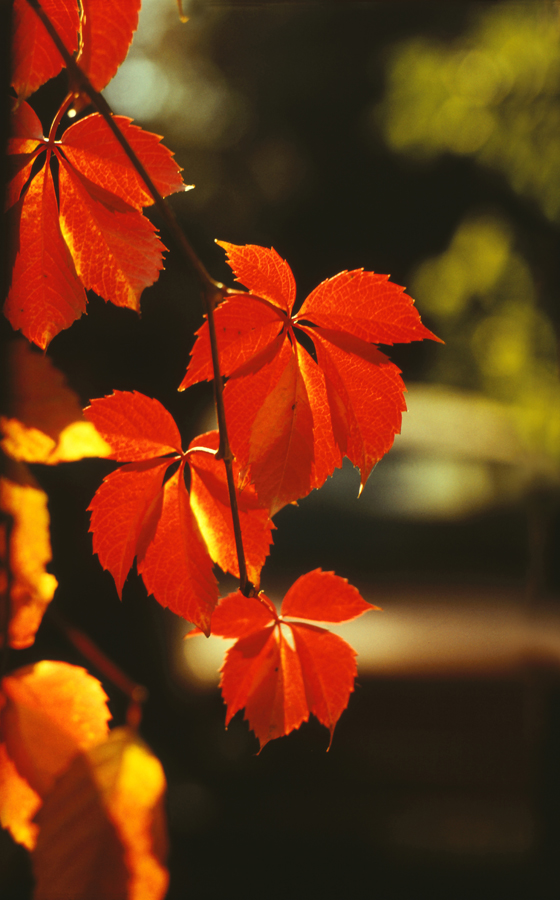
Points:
(136, 693)
(213, 291)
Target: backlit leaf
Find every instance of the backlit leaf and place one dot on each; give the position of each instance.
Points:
(46, 294)
(45, 422)
(291, 419)
(94, 235)
(102, 828)
(27, 554)
(52, 711)
(210, 503)
(104, 48)
(175, 537)
(136, 427)
(18, 802)
(281, 671)
(176, 567)
(35, 58)
(115, 248)
(120, 514)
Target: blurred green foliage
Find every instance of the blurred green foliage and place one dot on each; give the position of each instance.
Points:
(492, 95)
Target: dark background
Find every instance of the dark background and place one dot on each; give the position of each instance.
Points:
(410, 756)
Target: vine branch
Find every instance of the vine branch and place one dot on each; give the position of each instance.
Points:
(137, 694)
(213, 291)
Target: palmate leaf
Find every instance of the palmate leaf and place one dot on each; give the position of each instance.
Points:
(95, 236)
(175, 536)
(281, 671)
(291, 419)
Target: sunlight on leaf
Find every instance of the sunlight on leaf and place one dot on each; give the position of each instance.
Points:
(32, 587)
(102, 829)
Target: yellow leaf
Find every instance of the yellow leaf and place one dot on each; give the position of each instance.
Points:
(45, 424)
(102, 831)
(32, 587)
(18, 803)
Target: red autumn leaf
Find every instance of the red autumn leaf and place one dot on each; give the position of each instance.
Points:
(210, 504)
(46, 295)
(291, 418)
(95, 236)
(35, 58)
(175, 537)
(281, 671)
(103, 48)
(23, 146)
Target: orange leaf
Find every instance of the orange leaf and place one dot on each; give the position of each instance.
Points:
(46, 294)
(91, 147)
(32, 587)
(210, 504)
(281, 671)
(175, 538)
(121, 511)
(18, 802)
(23, 146)
(176, 567)
(365, 421)
(95, 236)
(115, 248)
(263, 272)
(102, 828)
(324, 597)
(104, 48)
(136, 427)
(279, 445)
(53, 710)
(367, 305)
(289, 423)
(46, 423)
(35, 58)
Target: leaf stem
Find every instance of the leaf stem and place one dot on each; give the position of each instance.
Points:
(136, 693)
(57, 119)
(213, 291)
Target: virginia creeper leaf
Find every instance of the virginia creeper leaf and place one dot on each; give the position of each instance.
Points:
(102, 828)
(210, 504)
(120, 514)
(52, 711)
(282, 671)
(104, 46)
(35, 58)
(45, 422)
(95, 235)
(115, 248)
(46, 294)
(291, 418)
(176, 566)
(23, 146)
(18, 802)
(90, 146)
(176, 537)
(31, 586)
(136, 427)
